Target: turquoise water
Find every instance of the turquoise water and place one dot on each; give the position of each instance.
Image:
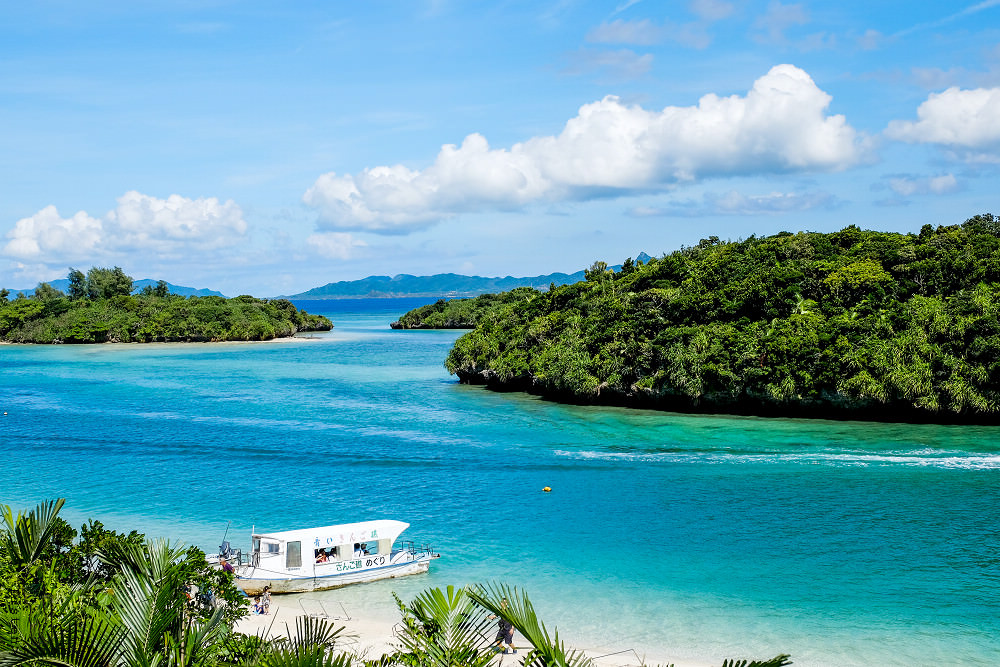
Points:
(690, 538)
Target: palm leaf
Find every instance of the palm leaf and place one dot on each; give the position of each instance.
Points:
(147, 598)
(315, 632)
(546, 649)
(91, 642)
(446, 628)
(198, 643)
(25, 536)
(776, 661)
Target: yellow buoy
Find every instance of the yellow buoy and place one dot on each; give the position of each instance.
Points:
(547, 489)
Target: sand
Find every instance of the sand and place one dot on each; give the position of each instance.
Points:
(371, 636)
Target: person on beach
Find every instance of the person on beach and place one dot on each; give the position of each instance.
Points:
(257, 609)
(505, 632)
(265, 600)
(226, 567)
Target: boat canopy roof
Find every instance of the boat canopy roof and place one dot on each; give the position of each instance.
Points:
(346, 533)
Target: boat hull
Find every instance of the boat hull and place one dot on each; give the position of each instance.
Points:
(252, 580)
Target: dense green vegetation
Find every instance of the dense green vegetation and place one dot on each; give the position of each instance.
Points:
(459, 313)
(853, 323)
(116, 600)
(100, 308)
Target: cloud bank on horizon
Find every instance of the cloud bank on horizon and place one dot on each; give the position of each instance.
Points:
(679, 116)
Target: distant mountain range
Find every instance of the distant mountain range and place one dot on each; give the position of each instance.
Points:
(448, 285)
(63, 284)
(441, 284)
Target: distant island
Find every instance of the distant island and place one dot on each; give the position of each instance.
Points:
(448, 285)
(460, 313)
(100, 307)
(850, 324)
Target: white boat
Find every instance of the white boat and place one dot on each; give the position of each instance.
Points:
(315, 559)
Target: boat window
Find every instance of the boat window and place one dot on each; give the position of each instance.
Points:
(256, 545)
(293, 555)
(327, 555)
(370, 548)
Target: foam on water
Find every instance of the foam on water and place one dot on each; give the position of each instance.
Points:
(923, 458)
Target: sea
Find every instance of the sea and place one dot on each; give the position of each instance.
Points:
(677, 538)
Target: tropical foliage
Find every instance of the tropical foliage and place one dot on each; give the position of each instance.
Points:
(122, 600)
(853, 323)
(100, 308)
(459, 313)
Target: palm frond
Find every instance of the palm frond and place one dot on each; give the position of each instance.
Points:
(147, 597)
(547, 649)
(91, 642)
(777, 661)
(446, 628)
(198, 644)
(25, 536)
(304, 657)
(315, 632)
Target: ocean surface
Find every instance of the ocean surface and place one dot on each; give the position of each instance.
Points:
(687, 538)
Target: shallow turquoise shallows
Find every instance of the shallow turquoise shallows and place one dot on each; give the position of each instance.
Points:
(690, 538)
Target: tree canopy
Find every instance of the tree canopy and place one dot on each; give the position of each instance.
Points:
(101, 308)
(853, 323)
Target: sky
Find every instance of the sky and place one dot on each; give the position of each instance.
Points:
(268, 148)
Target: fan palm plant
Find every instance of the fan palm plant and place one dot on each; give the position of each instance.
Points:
(443, 628)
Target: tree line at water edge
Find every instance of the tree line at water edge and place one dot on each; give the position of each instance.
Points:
(852, 324)
(100, 307)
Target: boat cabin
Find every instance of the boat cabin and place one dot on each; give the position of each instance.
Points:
(328, 550)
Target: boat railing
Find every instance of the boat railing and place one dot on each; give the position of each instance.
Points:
(416, 550)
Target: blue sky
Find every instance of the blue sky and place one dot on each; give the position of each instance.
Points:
(267, 148)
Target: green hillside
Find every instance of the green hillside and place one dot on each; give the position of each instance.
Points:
(100, 308)
(848, 324)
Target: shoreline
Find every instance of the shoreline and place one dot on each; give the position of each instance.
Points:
(371, 633)
(304, 336)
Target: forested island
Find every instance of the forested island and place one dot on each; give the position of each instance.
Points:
(850, 324)
(460, 313)
(101, 308)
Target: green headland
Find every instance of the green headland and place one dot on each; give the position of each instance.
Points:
(850, 324)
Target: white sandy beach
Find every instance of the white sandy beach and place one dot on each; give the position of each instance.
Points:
(370, 635)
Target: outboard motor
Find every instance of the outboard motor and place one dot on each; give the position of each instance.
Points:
(225, 551)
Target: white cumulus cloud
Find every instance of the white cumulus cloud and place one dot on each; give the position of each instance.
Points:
(47, 234)
(170, 224)
(955, 118)
(608, 149)
(175, 226)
